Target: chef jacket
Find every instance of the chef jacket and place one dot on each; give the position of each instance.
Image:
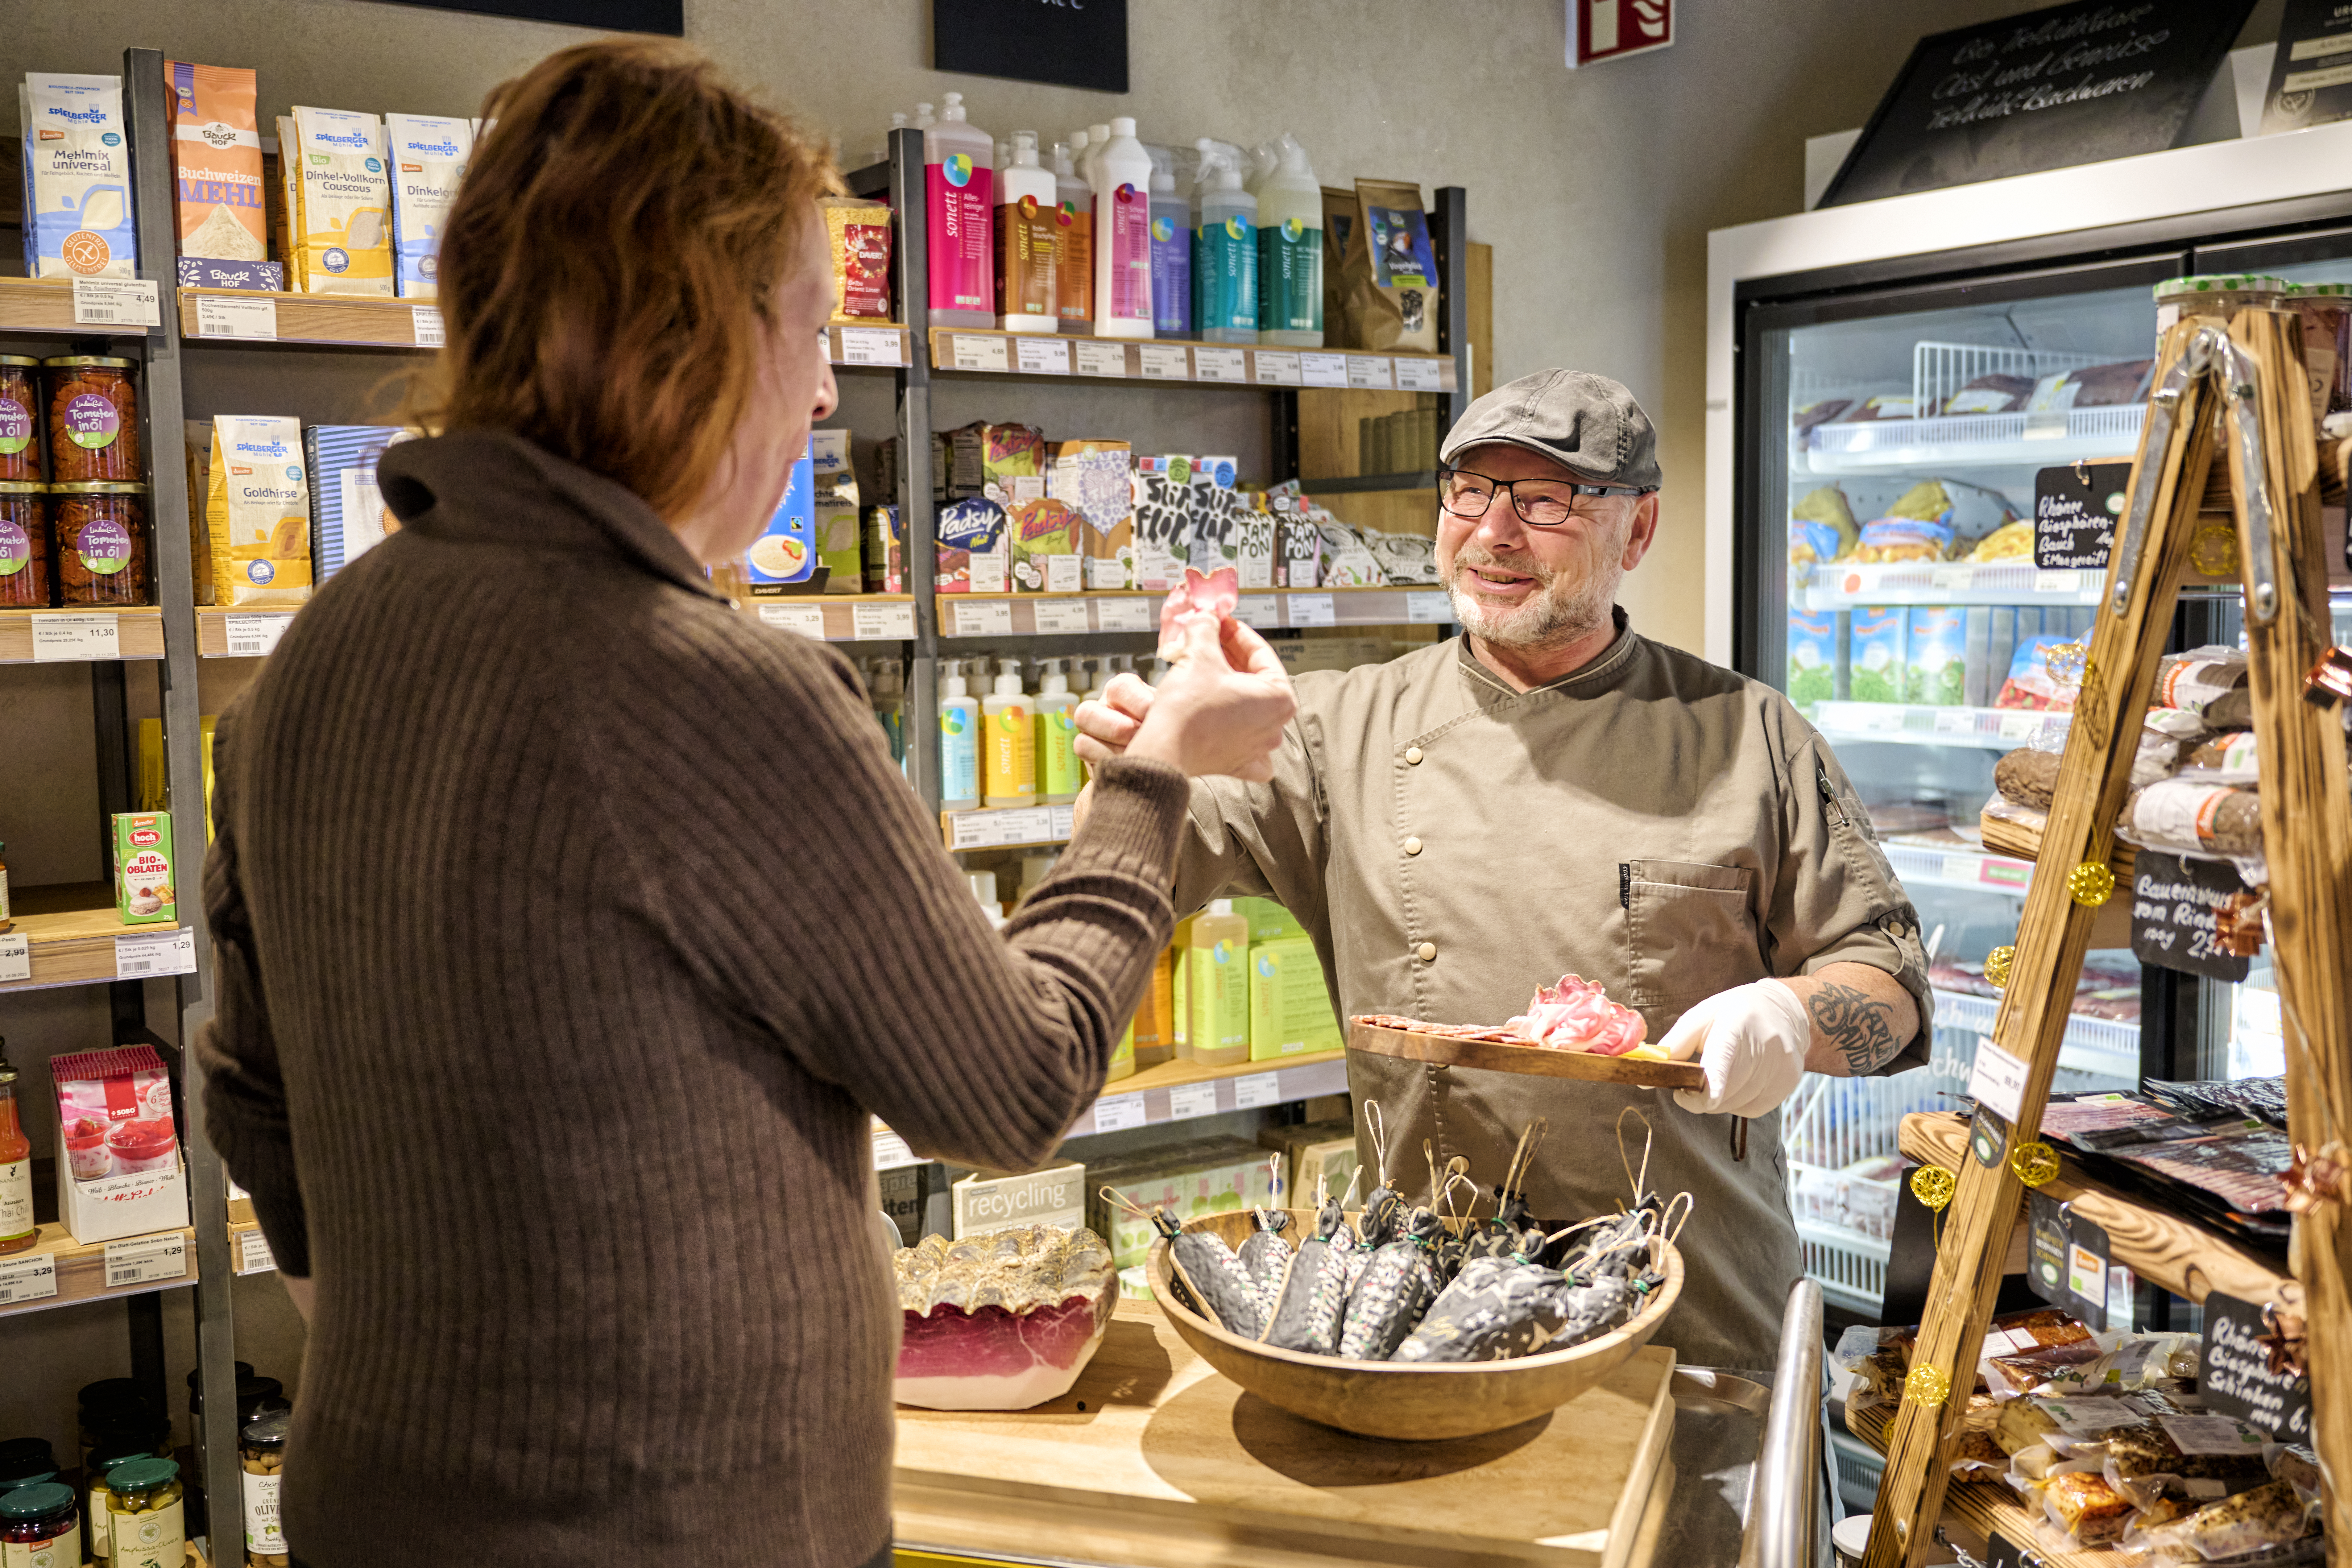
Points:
(1651, 822)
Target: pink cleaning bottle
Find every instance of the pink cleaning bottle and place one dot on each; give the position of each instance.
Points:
(959, 188)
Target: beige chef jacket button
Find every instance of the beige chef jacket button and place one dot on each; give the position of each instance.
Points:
(1426, 952)
(1413, 845)
(1413, 754)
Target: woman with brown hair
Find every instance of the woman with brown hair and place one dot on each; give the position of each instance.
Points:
(570, 927)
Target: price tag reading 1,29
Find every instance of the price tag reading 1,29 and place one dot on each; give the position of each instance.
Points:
(165, 952)
(146, 1259)
(34, 1277)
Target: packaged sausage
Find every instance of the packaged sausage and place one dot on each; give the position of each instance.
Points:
(2188, 817)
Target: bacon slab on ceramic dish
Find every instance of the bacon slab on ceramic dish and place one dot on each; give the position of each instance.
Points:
(1001, 1321)
(1573, 1015)
(1218, 594)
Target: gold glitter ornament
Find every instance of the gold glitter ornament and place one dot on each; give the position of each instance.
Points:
(1933, 1185)
(2034, 1163)
(1928, 1386)
(2091, 884)
(1997, 967)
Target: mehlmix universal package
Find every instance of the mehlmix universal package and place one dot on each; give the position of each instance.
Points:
(78, 218)
(340, 223)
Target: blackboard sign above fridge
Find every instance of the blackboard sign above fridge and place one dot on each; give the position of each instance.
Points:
(2079, 83)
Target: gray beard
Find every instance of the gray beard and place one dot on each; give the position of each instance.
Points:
(1548, 621)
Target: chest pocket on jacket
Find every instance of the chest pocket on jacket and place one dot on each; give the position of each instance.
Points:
(1688, 932)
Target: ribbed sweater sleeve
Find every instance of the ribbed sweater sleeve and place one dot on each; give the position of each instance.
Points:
(798, 871)
(245, 1097)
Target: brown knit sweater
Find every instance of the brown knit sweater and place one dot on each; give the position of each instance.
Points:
(570, 925)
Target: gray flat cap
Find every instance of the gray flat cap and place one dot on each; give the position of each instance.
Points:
(1588, 423)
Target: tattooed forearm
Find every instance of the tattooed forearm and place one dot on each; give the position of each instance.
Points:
(1857, 1026)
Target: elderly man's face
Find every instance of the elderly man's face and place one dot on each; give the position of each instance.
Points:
(1533, 588)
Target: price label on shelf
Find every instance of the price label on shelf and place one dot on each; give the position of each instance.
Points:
(165, 952)
(987, 618)
(1323, 369)
(2057, 585)
(872, 345)
(1369, 372)
(1063, 819)
(1124, 614)
(1428, 609)
(1118, 1113)
(1420, 375)
(1102, 359)
(1314, 610)
(424, 323)
(253, 1254)
(253, 637)
(33, 1277)
(1163, 361)
(117, 303)
(1062, 617)
(1998, 1079)
(66, 638)
(890, 1151)
(1257, 1091)
(807, 619)
(1277, 367)
(1955, 721)
(144, 1259)
(996, 828)
(255, 319)
(1220, 364)
(970, 352)
(882, 622)
(1263, 611)
(2020, 726)
(1043, 356)
(1959, 868)
(15, 959)
(1952, 579)
(1188, 1101)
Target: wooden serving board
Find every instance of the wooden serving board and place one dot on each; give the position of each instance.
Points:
(1154, 1459)
(1533, 1060)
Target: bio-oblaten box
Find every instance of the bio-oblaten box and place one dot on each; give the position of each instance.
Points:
(145, 885)
(786, 553)
(78, 216)
(428, 157)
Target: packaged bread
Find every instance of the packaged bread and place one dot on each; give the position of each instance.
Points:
(857, 237)
(257, 511)
(2143, 1462)
(2270, 1515)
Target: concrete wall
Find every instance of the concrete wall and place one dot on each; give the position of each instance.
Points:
(1596, 189)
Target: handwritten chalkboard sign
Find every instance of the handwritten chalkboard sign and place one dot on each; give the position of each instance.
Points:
(2074, 513)
(2075, 84)
(2175, 903)
(2235, 1376)
(664, 16)
(1058, 41)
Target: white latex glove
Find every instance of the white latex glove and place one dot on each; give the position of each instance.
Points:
(1751, 1039)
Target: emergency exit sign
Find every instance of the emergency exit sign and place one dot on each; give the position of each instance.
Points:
(1608, 29)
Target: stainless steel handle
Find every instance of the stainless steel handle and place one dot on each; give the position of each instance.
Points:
(1784, 1502)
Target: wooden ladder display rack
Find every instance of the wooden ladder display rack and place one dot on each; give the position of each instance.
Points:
(2246, 374)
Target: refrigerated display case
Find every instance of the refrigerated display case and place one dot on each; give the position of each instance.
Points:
(1885, 383)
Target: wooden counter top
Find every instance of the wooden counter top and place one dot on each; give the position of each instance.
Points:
(1154, 1459)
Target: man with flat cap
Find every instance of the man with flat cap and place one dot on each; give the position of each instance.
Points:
(1551, 792)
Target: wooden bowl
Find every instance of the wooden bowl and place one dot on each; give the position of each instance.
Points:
(1411, 1402)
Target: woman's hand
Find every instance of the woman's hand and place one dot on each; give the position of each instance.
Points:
(1221, 710)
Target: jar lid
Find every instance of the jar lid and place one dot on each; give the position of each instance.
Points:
(98, 488)
(33, 1502)
(2320, 290)
(91, 360)
(15, 1450)
(22, 488)
(112, 1451)
(18, 359)
(140, 1429)
(2222, 283)
(142, 1475)
(250, 1389)
(269, 1432)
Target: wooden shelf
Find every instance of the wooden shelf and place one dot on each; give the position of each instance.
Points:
(46, 305)
(1168, 360)
(139, 634)
(1242, 1085)
(2161, 1248)
(72, 931)
(79, 1270)
(1990, 1507)
(843, 617)
(979, 616)
(385, 322)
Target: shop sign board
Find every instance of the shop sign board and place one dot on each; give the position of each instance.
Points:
(2078, 83)
(664, 16)
(2075, 507)
(1068, 42)
(1612, 29)
(2175, 914)
(2311, 75)
(2236, 1375)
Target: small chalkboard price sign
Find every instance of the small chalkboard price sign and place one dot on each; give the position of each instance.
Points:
(2235, 1377)
(2074, 513)
(2078, 83)
(2174, 918)
(1063, 42)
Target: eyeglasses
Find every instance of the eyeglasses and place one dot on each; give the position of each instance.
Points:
(1540, 503)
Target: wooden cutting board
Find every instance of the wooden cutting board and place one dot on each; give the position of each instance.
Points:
(1534, 1060)
(1156, 1460)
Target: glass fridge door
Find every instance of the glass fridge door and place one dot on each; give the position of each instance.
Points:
(1888, 484)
